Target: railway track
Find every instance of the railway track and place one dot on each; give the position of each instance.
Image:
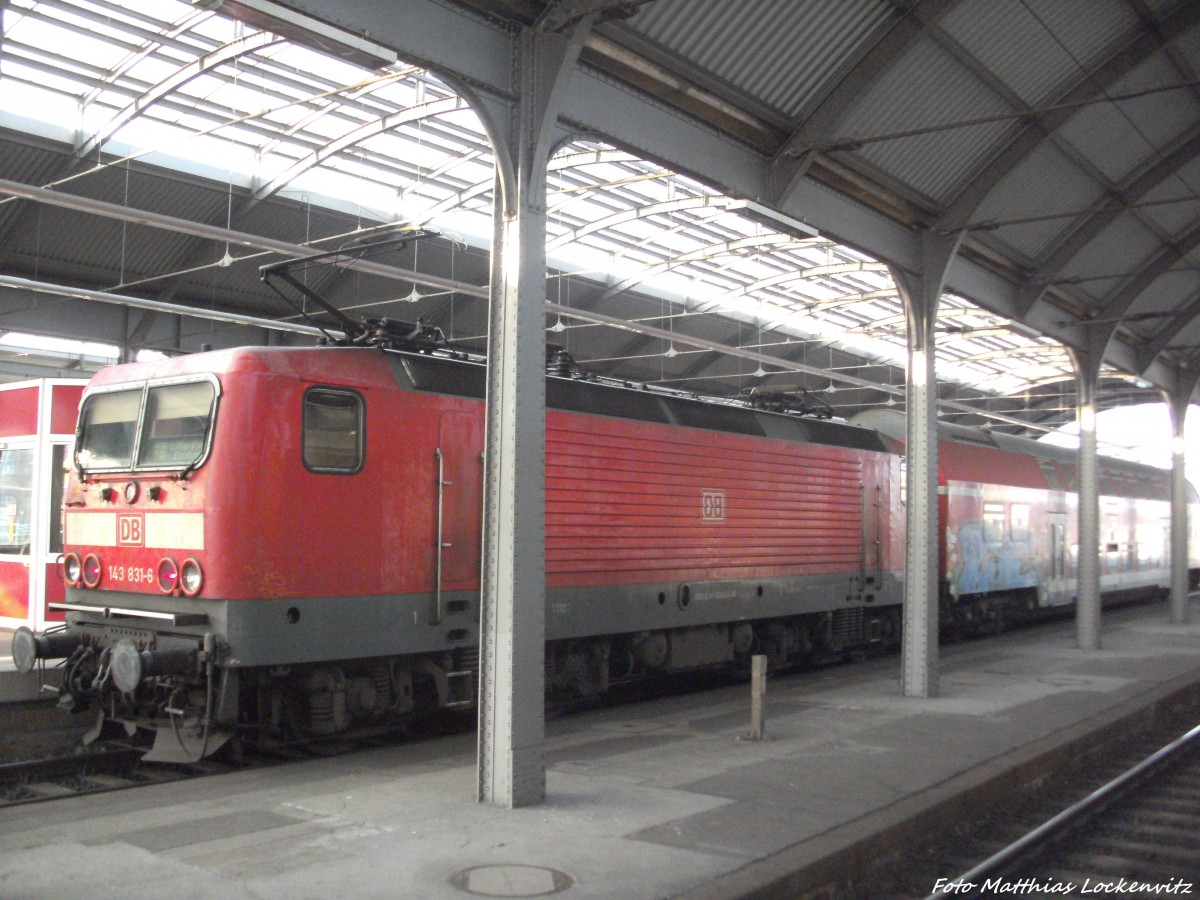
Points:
(104, 769)
(1134, 835)
(69, 772)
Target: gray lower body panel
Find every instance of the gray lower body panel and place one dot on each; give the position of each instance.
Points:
(309, 630)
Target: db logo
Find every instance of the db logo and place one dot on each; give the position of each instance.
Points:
(712, 506)
(129, 531)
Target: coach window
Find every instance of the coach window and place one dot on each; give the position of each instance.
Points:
(333, 431)
(1019, 522)
(993, 522)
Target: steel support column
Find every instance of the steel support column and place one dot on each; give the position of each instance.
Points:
(1177, 403)
(921, 293)
(1087, 603)
(512, 641)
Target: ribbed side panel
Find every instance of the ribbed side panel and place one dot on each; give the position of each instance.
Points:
(696, 506)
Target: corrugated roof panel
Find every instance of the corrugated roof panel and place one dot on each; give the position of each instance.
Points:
(782, 52)
(1175, 199)
(928, 87)
(1046, 182)
(1120, 249)
(1122, 138)
(1170, 291)
(28, 164)
(1089, 32)
(1015, 46)
(1159, 8)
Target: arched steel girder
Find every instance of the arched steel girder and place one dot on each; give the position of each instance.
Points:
(1042, 354)
(234, 49)
(712, 251)
(579, 159)
(948, 316)
(197, 254)
(330, 104)
(357, 136)
(451, 163)
(666, 207)
(780, 278)
(152, 43)
(214, 58)
(1121, 301)
(1162, 339)
(792, 162)
(1096, 334)
(1043, 129)
(1044, 126)
(850, 299)
(482, 187)
(1105, 212)
(775, 321)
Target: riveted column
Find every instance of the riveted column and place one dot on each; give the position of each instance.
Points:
(1087, 603)
(1177, 403)
(921, 293)
(511, 771)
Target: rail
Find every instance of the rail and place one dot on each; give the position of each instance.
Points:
(1085, 810)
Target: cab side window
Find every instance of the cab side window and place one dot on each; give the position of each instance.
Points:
(333, 431)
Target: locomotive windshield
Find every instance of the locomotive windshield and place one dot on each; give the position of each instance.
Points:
(162, 426)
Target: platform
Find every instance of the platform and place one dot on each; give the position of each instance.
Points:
(659, 799)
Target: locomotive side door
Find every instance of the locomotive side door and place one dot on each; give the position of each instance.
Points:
(459, 484)
(870, 577)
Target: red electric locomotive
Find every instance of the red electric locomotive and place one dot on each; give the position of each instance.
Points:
(286, 542)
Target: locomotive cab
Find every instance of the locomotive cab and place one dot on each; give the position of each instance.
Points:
(134, 556)
(218, 577)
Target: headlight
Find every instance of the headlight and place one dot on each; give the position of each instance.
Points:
(191, 577)
(168, 575)
(92, 570)
(72, 569)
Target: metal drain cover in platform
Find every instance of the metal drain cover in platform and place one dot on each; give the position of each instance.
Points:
(511, 881)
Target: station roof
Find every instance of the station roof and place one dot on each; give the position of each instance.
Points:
(163, 151)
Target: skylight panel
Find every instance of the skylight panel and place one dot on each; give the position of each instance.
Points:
(182, 144)
(218, 29)
(17, 70)
(37, 102)
(153, 68)
(183, 121)
(285, 117)
(219, 89)
(416, 155)
(70, 43)
(328, 68)
(163, 10)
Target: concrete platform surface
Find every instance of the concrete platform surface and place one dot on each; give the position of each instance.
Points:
(658, 799)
